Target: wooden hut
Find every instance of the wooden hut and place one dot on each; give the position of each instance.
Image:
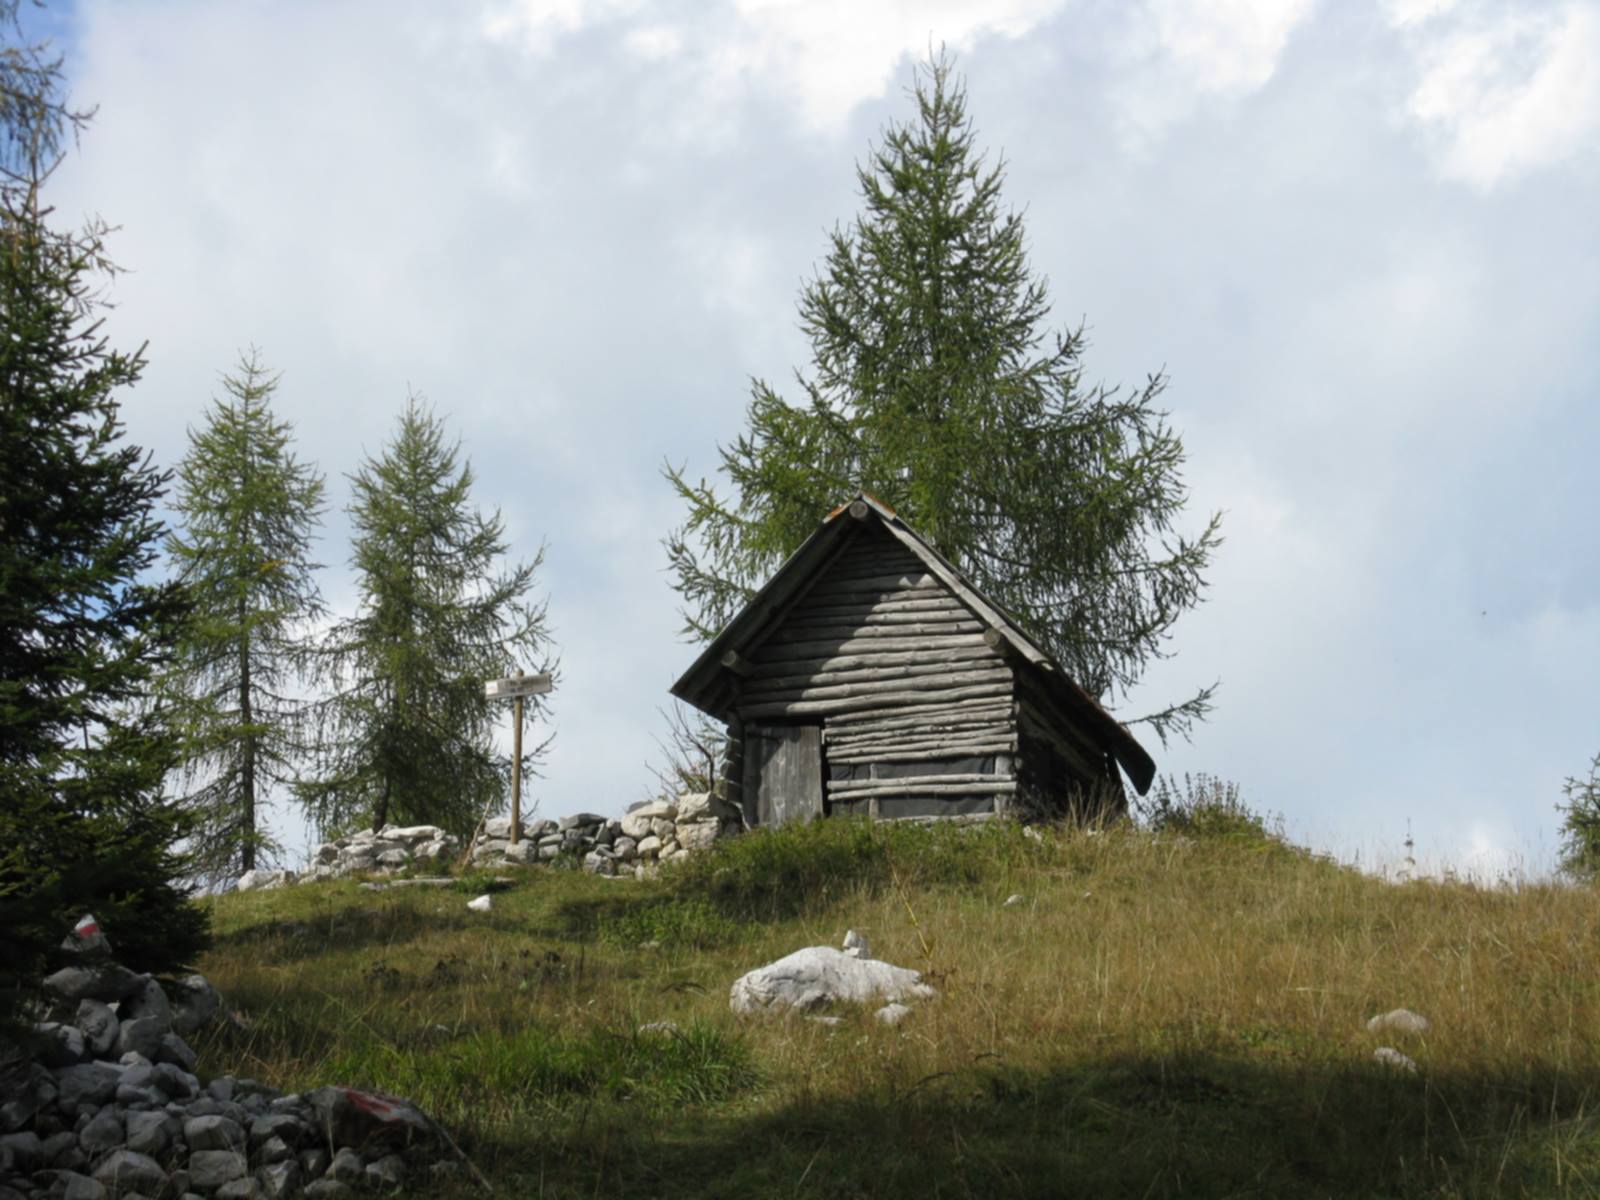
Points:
(868, 676)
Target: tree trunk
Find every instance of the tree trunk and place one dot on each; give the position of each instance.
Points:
(247, 770)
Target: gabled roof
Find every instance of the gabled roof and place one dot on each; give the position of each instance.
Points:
(711, 688)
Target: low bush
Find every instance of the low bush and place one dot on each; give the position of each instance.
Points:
(1204, 807)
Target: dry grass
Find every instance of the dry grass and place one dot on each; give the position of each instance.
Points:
(1160, 1016)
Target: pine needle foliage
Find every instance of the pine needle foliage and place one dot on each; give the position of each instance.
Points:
(406, 735)
(83, 825)
(248, 510)
(1580, 825)
(938, 387)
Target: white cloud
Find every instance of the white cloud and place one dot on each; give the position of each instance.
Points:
(831, 55)
(536, 25)
(1502, 95)
(1179, 53)
(824, 57)
(1405, 13)
(1227, 47)
(654, 42)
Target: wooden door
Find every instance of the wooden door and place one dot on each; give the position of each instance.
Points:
(783, 773)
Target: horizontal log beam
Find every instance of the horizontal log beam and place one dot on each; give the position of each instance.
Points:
(909, 672)
(849, 567)
(874, 618)
(918, 635)
(877, 703)
(834, 648)
(937, 602)
(916, 787)
(919, 580)
(846, 723)
(901, 683)
(988, 731)
(891, 753)
(843, 735)
(914, 661)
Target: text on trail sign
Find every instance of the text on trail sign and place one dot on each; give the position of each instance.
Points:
(515, 686)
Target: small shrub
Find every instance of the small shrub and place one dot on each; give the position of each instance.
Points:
(1204, 807)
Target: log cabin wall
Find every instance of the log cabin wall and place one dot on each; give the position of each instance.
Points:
(918, 713)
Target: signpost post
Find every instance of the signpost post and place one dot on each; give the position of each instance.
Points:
(514, 688)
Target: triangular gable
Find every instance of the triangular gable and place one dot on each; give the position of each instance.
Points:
(711, 688)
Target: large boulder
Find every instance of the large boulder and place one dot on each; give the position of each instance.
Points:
(822, 975)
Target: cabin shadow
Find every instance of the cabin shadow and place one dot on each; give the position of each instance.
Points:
(1137, 1126)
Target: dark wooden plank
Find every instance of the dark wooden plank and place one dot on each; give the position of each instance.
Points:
(917, 787)
(902, 754)
(832, 648)
(890, 658)
(759, 691)
(790, 772)
(877, 703)
(1000, 708)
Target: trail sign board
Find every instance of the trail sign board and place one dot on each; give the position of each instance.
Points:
(516, 687)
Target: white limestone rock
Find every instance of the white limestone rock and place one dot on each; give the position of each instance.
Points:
(649, 846)
(855, 945)
(699, 836)
(1013, 900)
(694, 807)
(1390, 1057)
(820, 975)
(523, 852)
(1399, 1020)
(482, 904)
(664, 809)
(891, 1014)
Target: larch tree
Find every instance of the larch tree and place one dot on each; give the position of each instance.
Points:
(83, 625)
(938, 387)
(247, 513)
(406, 733)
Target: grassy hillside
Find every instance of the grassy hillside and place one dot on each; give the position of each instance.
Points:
(1159, 1016)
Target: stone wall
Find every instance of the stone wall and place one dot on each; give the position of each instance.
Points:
(651, 833)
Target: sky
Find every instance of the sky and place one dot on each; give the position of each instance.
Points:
(1358, 236)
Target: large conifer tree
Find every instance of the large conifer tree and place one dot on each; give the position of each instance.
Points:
(407, 733)
(248, 510)
(938, 387)
(83, 825)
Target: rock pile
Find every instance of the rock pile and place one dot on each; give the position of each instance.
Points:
(650, 833)
(111, 1106)
(383, 851)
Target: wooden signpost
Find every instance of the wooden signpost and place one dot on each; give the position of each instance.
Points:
(515, 688)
